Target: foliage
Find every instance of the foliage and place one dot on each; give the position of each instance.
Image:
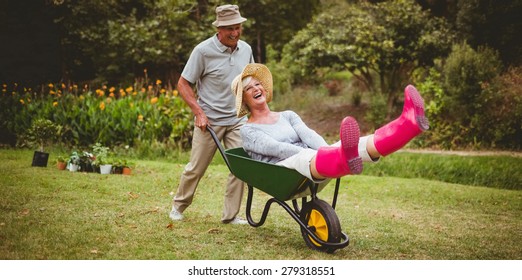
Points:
(492, 23)
(273, 23)
(122, 163)
(74, 158)
(389, 38)
(131, 36)
(119, 38)
(87, 161)
(376, 113)
(470, 103)
(101, 154)
(458, 110)
(41, 133)
(501, 121)
(113, 116)
(465, 72)
(61, 159)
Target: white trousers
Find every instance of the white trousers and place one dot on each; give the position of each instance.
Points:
(301, 161)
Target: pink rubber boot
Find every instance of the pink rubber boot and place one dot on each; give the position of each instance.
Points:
(334, 162)
(400, 131)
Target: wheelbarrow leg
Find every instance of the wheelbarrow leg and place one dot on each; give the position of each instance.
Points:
(265, 210)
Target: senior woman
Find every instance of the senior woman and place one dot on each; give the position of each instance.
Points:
(284, 139)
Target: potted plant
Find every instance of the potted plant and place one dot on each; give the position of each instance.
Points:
(86, 162)
(127, 169)
(40, 133)
(101, 158)
(117, 166)
(61, 163)
(74, 162)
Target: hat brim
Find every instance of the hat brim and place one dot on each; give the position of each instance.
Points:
(237, 88)
(235, 21)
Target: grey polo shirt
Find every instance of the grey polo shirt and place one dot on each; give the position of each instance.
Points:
(212, 67)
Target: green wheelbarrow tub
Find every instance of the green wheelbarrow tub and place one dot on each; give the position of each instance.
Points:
(278, 181)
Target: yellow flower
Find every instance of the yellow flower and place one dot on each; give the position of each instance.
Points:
(175, 92)
(111, 94)
(112, 89)
(102, 106)
(63, 86)
(100, 92)
(128, 89)
(140, 118)
(22, 101)
(122, 93)
(154, 100)
(82, 97)
(158, 82)
(55, 104)
(51, 85)
(52, 92)
(163, 91)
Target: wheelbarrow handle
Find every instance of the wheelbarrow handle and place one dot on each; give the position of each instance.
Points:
(219, 146)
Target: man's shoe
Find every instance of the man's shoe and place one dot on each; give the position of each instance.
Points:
(237, 221)
(175, 215)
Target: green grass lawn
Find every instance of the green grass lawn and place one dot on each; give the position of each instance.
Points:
(50, 214)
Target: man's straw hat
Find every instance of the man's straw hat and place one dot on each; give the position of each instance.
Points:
(228, 15)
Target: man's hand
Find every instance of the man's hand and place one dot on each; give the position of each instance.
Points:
(201, 121)
(187, 93)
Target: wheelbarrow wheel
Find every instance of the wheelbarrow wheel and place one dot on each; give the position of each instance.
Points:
(323, 221)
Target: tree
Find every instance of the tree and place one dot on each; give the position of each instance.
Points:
(389, 39)
(494, 24)
(118, 39)
(122, 38)
(274, 22)
(30, 48)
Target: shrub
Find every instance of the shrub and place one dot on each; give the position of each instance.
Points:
(40, 134)
(457, 105)
(108, 115)
(377, 113)
(465, 71)
(502, 111)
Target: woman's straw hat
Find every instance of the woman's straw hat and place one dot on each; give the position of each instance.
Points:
(255, 70)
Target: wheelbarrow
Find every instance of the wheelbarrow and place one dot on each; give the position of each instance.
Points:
(320, 226)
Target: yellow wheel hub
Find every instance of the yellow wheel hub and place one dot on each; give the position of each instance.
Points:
(319, 223)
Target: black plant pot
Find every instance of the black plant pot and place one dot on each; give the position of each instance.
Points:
(86, 167)
(40, 159)
(117, 170)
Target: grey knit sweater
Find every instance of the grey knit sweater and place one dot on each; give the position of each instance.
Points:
(283, 139)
